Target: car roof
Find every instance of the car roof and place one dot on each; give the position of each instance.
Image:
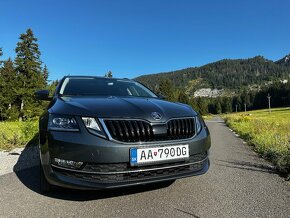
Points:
(97, 77)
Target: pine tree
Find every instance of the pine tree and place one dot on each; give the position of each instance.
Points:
(8, 85)
(109, 74)
(202, 106)
(166, 89)
(227, 105)
(1, 53)
(245, 99)
(183, 98)
(45, 74)
(218, 107)
(28, 67)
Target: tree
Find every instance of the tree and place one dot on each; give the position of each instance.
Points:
(109, 74)
(1, 53)
(29, 70)
(227, 105)
(183, 98)
(8, 86)
(202, 105)
(45, 74)
(52, 86)
(218, 108)
(166, 89)
(218, 105)
(245, 99)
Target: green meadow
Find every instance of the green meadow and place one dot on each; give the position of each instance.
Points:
(268, 132)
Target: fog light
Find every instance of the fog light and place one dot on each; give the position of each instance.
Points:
(67, 163)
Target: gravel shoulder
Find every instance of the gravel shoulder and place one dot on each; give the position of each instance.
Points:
(16, 160)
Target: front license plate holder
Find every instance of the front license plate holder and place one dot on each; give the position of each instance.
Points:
(158, 154)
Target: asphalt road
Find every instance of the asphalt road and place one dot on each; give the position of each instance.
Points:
(238, 184)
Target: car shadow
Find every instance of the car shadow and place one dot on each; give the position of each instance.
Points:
(27, 170)
(244, 165)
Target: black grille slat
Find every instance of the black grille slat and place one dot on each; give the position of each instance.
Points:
(142, 131)
(118, 127)
(111, 126)
(148, 132)
(181, 128)
(190, 127)
(174, 127)
(125, 130)
(186, 127)
(131, 130)
(169, 129)
(178, 127)
(136, 128)
(145, 132)
(193, 126)
(152, 134)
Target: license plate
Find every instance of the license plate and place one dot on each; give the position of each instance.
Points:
(140, 156)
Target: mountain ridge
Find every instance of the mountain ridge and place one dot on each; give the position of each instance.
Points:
(223, 74)
(285, 61)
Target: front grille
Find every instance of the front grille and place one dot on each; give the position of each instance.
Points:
(142, 131)
(110, 173)
(181, 128)
(130, 130)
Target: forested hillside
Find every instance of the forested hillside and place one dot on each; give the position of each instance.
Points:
(229, 74)
(245, 83)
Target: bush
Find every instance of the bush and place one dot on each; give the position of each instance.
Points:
(12, 114)
(28, 131)
(17, 134)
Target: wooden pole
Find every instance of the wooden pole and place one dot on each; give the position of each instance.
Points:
(269, 102)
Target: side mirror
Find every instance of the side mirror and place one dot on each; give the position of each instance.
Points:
(42, 95)
(161, 97)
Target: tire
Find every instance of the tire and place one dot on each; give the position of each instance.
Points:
(45, 187)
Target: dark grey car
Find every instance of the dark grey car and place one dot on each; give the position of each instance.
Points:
(100, 133)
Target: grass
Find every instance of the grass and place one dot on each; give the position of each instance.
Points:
(17, 134)
(269, 133)
(207, 117)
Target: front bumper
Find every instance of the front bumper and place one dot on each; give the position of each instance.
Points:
(107, 163)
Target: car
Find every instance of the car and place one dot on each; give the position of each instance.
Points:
(100, 133)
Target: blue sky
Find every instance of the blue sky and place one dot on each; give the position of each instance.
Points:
(133, 38)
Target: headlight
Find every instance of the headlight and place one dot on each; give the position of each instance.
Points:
(62, 123)
(199, 124)
(93, 126)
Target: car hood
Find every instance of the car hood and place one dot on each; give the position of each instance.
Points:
(120, 107)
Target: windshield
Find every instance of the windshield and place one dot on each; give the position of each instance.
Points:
(103, 87)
